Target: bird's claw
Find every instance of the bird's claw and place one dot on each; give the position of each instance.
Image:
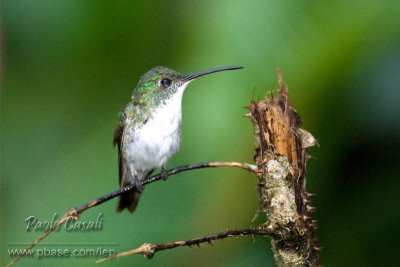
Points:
(164, 174)
(138, 185)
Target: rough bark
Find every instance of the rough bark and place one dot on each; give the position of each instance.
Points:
(281, 158)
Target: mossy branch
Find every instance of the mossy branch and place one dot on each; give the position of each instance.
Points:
(281, 157)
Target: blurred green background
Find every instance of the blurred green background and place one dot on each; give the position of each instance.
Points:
(68, 67)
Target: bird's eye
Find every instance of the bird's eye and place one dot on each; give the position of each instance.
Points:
(165, 82)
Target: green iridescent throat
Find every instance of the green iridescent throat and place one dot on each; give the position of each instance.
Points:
(149, 94)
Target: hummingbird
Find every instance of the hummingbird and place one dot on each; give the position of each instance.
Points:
(148, 132)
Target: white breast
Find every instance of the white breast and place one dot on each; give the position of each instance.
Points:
(152, 145)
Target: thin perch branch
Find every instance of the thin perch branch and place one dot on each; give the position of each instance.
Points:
(157, 177)
(149, 250)
(74, 213)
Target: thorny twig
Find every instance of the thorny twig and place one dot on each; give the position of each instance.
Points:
(149, 250)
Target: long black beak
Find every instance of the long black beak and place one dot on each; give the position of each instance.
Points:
(198, 74)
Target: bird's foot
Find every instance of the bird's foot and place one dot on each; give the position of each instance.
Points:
(138, 185)
(164, 174)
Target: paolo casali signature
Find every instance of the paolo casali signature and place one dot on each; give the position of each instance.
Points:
(35, 224)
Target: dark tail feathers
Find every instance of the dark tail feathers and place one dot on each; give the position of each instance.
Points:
(129, 201)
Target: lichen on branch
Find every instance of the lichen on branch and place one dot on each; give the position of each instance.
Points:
(281, 158)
